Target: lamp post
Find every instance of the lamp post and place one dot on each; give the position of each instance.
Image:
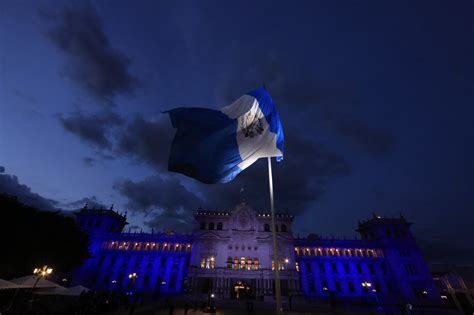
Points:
(133, 278)
(42, 272)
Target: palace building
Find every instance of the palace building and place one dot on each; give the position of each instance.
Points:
(230, 254)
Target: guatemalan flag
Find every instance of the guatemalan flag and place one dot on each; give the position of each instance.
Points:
(214, 146)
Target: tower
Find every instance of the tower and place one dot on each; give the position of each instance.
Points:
(101, 221)
(406, 261)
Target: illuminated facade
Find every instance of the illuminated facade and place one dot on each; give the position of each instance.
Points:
(230, 254)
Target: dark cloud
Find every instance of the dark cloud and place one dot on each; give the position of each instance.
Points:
(375, 142)
(179, 221)
(299, 180)
(93, 129)
(446, 250)
(156, 192)
(308, 102)
(88, 161)
(95, 64)
(92, 202)
(2, 169)
(10, 185)
(147, 141)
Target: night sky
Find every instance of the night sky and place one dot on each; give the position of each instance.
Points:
(376, 100)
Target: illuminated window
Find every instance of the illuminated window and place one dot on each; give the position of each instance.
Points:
(256, 264)
(203, 263)
(242, 263)
(236, 263)
(319, 252)
(297, 267)
(249, 263)
(297, 251)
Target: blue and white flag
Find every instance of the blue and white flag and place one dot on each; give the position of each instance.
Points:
(214, 146)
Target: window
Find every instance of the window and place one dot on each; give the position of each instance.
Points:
(334, 268)
(203, 225)
(321, 267)
(371, 269)
(236, 263)
(283, 228)
(229, 262)
(384, 269)
(242, 263)
(351, 286)
(266, 228)
(346, 268)
(359, 268)
(297, 266)
(309, 269)
(256, 264)
(219, 226)
(211, 226)
(410, 269)
(276, 228)
(338, 286)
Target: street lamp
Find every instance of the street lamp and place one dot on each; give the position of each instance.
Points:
(42, 272)
(133, 278)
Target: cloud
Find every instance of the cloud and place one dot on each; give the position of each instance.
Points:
(311, 103)
(156, 192)
(170, 201)
(93, 129)
(299, 180)
(10, 185)
(374, 142)
(147, 141)
(92, 202)
(94, 64)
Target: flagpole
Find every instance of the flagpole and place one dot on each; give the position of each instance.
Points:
(276, 259)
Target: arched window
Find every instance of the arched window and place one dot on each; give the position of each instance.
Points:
(211, 226)
(203, 225)
(229, 262)
(283, 228)
(276, 228)
(219, 226)
(266, 228)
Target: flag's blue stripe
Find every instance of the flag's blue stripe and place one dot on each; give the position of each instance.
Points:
(268, 109)
(205, 145)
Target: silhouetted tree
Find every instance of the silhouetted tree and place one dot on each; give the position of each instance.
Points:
(30, 238)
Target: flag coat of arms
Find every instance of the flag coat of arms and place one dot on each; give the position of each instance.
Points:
(214, 146)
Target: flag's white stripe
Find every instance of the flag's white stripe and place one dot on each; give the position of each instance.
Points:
(246, 110)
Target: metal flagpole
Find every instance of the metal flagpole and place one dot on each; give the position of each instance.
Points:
(276, 259)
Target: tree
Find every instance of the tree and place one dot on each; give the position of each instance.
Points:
(30, 238)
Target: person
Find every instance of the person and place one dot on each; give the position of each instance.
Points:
(186, 307)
